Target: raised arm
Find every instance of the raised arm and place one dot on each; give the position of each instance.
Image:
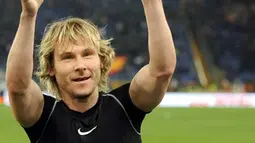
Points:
(25, 96)
(150, 83)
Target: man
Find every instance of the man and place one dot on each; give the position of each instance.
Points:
(74, 63)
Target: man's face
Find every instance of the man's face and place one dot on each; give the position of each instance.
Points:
(77, 70)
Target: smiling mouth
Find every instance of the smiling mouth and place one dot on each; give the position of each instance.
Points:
(81, 79)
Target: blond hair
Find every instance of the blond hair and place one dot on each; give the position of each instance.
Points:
(66, 31)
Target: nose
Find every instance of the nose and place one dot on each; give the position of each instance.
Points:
(80, 65)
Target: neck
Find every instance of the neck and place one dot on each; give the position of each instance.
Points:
(81, 104)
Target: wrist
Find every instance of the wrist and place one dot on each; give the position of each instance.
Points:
(151, 3)
(27, 16)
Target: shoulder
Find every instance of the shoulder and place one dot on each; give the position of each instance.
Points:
(121, 90)
(36, 131)
(49, 96)
(122, 97)
(123, 101)
(119, 94)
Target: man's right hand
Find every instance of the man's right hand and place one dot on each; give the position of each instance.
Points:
(31, 7)
(25, 95)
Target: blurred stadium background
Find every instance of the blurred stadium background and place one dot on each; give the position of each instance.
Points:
(211, 96)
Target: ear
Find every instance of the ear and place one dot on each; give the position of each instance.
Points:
(52, 72)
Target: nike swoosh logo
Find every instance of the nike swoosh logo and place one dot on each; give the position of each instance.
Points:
(86, 133)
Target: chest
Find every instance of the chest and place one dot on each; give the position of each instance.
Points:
(109, 125)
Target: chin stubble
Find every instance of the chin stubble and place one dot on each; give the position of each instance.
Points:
(82, 98)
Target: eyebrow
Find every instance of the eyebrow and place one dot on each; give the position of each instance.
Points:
(61, 55)
(89, 50)
(71, 53)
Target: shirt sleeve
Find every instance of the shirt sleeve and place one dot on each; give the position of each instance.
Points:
(36, 130)
(135, 114)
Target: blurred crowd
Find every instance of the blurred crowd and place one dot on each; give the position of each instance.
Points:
(222, 29)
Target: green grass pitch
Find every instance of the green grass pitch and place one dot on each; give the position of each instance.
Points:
(171, 125)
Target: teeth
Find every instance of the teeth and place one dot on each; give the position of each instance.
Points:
(81, 79)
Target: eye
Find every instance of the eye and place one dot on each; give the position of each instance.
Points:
(88, 52)
(66, 56)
